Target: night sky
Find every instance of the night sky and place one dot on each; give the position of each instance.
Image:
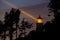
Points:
(42, 9)
(23, 3)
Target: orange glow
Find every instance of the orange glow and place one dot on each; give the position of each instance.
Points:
(16, 7)
(28, 14)
(39, 21)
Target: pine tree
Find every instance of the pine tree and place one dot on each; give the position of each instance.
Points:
(25, 24)
(14, 19)
(1, 26)
(54, 6)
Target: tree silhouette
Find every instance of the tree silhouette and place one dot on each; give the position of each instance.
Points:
(24, 24)
(5, 26)
(48, 27)
(55, 8)
(14, 19)
(10, 19)
(1, 26)
(17, 14)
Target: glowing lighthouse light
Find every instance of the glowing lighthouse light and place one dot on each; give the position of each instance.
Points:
(39, 20)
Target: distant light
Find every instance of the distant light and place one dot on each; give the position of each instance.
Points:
(39, 20)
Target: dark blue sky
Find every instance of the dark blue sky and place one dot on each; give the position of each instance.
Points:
(23, 3)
